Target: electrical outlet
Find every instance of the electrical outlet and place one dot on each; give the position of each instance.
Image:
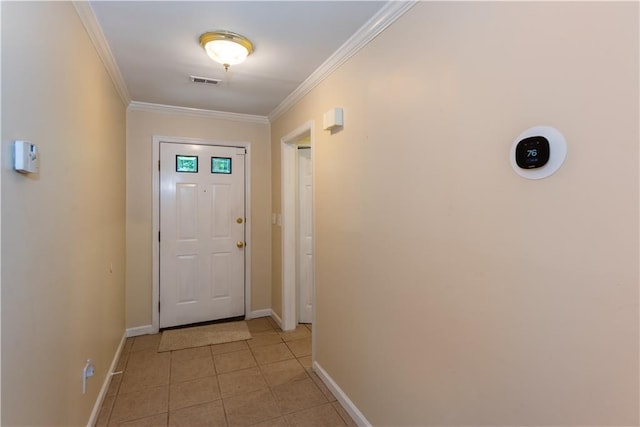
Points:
(87, 372)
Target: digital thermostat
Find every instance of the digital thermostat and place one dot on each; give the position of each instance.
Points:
(25, 157)
(538, 152)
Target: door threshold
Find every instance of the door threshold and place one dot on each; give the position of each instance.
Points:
(208, 322)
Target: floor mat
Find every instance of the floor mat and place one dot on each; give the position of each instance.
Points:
(178, 339)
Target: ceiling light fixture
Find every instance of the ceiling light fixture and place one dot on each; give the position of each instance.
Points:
(226, 47)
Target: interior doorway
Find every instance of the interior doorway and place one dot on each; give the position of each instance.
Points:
(298, 292)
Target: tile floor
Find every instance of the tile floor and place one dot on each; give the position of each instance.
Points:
(265, 381)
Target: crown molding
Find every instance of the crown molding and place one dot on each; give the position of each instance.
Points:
(388, 14)
(196, 112)
(88, 18)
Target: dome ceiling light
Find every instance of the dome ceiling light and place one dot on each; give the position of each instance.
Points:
(226, 47)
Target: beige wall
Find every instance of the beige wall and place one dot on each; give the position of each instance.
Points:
(451, 291)
(62, 228)
(142, 126)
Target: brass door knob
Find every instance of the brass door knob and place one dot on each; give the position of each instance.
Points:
(240, 244)
(239, 220)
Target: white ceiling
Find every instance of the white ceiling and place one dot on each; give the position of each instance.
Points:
(155, 46)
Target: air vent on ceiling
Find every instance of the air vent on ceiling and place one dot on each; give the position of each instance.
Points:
(204, 80)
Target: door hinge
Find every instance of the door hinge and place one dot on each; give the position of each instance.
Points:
(158, 236)
(158, 306)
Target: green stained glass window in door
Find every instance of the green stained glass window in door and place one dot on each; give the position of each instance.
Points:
(187, 164)
(221, 165)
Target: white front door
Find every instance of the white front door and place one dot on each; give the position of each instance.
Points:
(305, 236)
(202, 224)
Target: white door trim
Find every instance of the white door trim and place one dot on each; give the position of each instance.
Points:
(155, 190)
(288, 153)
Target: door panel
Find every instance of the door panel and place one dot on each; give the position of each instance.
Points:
(220, 200)
(187, 210)
(221, 267)
(201, 266)
(187, 266)
(305, 237)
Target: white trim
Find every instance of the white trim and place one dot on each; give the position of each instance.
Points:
(155, 190)
(266, 312)
(196, 112)
(88, 18)
(387, 15)
(141, 330)
(340, 395)
(1, 240)
(277, 318)
(288, 156)
(105, 385)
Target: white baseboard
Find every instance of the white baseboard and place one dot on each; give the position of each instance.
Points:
(346, 403)
(277, 318)
(105, 385)
(266, 312)
(140, 330)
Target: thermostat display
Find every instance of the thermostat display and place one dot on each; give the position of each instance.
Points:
(532, 152)
(538, 152)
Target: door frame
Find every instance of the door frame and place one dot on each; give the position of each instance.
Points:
(288, 181)
(155, 191)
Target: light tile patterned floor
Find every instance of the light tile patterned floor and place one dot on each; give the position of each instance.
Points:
(265, 381)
